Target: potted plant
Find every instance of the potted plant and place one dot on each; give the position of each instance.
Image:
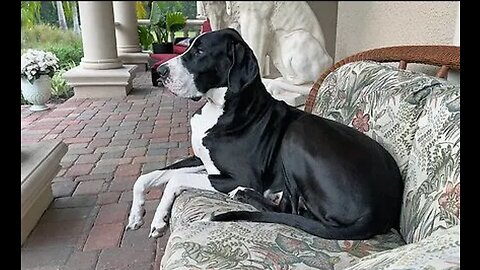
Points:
(164, 22)
(145, 36)
(37, 69)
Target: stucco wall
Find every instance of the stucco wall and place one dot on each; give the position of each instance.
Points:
(367, 25)
(326, 13)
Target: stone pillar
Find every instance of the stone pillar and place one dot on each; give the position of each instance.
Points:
(98, 35)
(200, 10)
(126, 25)
(101, 72)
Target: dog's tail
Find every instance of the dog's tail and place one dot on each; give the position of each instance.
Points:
(352, 232)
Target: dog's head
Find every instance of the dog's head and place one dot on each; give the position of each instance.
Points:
(213, 60)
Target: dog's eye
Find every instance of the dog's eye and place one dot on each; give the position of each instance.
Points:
(198, 51)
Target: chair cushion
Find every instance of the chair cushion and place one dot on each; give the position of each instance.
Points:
(416, 117)
(379, 100)
(206, 26)
(441, 250)
(162, 58)
(248, 245)
(432, 186)
(179, 49)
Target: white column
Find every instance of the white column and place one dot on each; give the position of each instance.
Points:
(98, 35)
(200, 10)
(101, 73)
(126, 27)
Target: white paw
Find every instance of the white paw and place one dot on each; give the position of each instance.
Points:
(232, 193)
(159, 224)
(158, 229)
(135, 220)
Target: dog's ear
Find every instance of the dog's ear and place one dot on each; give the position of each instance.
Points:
(244, 68)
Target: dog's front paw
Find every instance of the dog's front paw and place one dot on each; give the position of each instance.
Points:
(159, 224)
(134, 224)
(158, 229)
(135, 221)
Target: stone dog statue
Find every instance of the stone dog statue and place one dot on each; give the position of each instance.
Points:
(287, 32)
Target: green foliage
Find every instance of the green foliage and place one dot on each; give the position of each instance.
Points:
(166, 19)
(140, 10)
(30, 13)
(67, 54)
(68, 7)
(190, 9)
(64, 44)
(35, 12)
(145, 36)
(61, 91)
(48, 13)
(68, 10)
(43, 35)
(60, 88)
(175, 21)
(169, 6)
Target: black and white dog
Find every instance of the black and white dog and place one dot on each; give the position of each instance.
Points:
(305, 171)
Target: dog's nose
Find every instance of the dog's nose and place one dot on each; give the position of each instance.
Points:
(163, 71)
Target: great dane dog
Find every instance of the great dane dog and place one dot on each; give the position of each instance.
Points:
(299, 169)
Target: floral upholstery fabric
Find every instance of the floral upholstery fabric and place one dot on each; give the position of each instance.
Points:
(432, 186)
(196, 243)
(379, 100)
(439, 251)
(200, 205)
(417, 119)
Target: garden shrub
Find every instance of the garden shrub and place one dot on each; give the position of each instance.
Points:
(60, 89)
(65, 44)
(67, 54)
(41, 35)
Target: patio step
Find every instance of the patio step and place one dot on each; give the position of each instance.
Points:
(40, 163)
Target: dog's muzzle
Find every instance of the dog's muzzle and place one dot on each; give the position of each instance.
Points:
(177, 79)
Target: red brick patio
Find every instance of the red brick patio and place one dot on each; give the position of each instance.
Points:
(111, 142)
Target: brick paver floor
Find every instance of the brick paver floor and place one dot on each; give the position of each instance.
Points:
(111, 142)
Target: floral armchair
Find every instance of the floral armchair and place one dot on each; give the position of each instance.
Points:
(416, 117)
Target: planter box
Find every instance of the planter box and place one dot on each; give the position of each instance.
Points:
(40, 163)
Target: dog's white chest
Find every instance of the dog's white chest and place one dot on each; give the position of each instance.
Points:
(200, 123)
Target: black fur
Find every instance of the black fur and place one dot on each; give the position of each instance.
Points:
(337, 182)
(192, 161)
(255, 199)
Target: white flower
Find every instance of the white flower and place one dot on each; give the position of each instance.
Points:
(36, 61)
